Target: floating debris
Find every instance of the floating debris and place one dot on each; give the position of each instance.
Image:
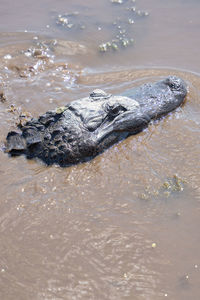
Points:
(23, 71)
(127, 42)
(24, 117)
(139, 13)
(12, 108)
(170, 186)
(122, 26)
(174, 184)
(117, 1)
(69, 21)
(144, 196)
(122, 35)
(40, 52)
(21, 117)
(104, 47)
(142, 13)
(116, 44)
(7, 56)
(131, 21)
(2, 97)
(133, 8)
(62, 20)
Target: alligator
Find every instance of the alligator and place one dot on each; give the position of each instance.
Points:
(86, 127)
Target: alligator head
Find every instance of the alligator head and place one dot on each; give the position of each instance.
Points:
(85, 127)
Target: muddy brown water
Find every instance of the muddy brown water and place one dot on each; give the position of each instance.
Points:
(126, 224)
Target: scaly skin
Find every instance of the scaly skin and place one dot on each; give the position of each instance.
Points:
(86, 127)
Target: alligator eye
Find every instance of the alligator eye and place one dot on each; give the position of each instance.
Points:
(115, 110)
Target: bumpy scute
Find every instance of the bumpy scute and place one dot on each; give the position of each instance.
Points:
(86, 127)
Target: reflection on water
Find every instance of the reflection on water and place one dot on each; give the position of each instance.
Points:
(125, 225)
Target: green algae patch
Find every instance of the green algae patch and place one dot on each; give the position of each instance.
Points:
(171, 185)
(61, 109)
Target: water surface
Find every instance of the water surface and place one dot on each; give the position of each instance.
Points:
(125, 225)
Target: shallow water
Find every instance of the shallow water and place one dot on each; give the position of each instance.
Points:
(125, 225)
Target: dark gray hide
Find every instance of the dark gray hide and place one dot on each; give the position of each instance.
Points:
(85, 127)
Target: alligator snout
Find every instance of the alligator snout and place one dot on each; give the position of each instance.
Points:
(176, 84)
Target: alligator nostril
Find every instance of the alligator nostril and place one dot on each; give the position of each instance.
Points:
(173, 82)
